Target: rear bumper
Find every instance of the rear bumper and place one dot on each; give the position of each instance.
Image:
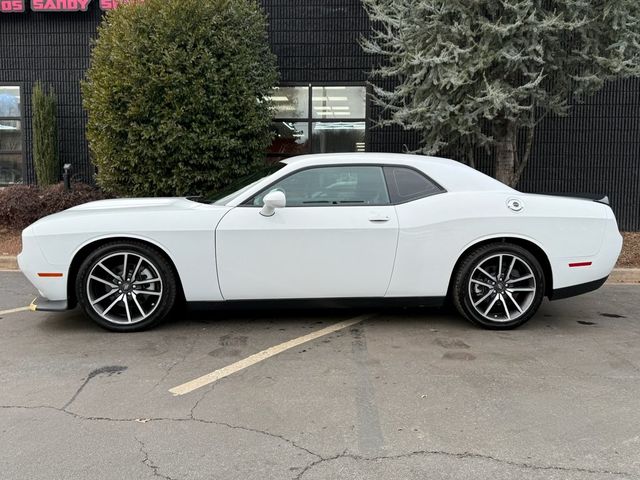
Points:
(42, 304)
(577, 273)
(575, 290)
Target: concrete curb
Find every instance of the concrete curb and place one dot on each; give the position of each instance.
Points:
(624, 275)
(8, 263)
(619, 275)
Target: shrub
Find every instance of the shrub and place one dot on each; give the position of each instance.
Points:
(45, 136)
(176, 95)
(21, 205)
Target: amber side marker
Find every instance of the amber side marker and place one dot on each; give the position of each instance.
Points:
(580, 264)
(49, 275)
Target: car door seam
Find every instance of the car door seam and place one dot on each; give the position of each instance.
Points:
(395, 253)
(215, 250)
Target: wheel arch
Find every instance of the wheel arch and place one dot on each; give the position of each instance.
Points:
(535, 249)
(85, 250)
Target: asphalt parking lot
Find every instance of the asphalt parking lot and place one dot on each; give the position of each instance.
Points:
(402, 394)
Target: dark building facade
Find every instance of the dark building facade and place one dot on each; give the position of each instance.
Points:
(321, 103)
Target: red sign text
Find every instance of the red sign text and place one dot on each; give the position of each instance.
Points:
(60, 5)
(11, 6)
(18, 6)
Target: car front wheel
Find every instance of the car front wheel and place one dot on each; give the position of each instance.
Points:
(499, 286)
(126, 286)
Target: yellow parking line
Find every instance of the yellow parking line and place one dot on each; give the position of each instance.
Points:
(260, 356)
(14, 310)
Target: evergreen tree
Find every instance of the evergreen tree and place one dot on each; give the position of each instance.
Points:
(483, 73)
(45, 136)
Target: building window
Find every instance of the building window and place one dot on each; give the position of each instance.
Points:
(10, 135)
(318, 119)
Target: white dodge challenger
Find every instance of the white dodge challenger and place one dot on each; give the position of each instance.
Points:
(341, 227)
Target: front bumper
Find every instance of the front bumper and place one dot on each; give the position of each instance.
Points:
(38, 270)
(42, 304)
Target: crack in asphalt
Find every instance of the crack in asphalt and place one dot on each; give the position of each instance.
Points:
(147, 462)
(195, 405)
(247, 429)
(109, 370)
(319, 458)
(462, 456)
(191, 418)
(263, 432)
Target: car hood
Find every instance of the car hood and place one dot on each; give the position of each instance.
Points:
(131, 215)
(161, 203)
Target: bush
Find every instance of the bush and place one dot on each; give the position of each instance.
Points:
(45, 136)
(21, 205)
(176, 95)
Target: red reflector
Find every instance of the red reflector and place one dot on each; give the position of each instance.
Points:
(49, 274)
(580, 264)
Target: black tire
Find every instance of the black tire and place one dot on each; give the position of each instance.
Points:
(155, 299)
(467, 291)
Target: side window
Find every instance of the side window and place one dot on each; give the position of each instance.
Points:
(406, 184)
(348, 185)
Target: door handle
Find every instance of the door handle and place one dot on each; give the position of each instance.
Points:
(379, 218)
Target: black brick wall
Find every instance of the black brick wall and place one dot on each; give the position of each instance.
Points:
(53, 48)
(596, 149)
(317, 40)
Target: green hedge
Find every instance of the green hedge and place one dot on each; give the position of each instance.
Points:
(176, 96)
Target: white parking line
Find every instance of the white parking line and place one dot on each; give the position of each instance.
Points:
(14, 310)
(260, 356)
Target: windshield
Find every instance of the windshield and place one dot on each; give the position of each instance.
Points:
(238, 187)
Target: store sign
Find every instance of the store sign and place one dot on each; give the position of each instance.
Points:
(109, 4)
(60, 5)
(11, 6)
(18, 6)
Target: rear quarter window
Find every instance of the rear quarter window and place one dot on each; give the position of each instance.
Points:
(406, 184)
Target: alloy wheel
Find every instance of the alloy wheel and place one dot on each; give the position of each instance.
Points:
(124, 288)
(502, 287)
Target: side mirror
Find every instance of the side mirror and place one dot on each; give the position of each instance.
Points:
(273, 200)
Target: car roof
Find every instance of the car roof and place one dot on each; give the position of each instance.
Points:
(452, 175)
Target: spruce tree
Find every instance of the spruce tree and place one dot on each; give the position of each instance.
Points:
(483, 73)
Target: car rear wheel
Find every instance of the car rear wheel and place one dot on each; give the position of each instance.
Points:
(499, 286)
(126, 286)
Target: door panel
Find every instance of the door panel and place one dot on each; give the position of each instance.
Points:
(306, 252)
